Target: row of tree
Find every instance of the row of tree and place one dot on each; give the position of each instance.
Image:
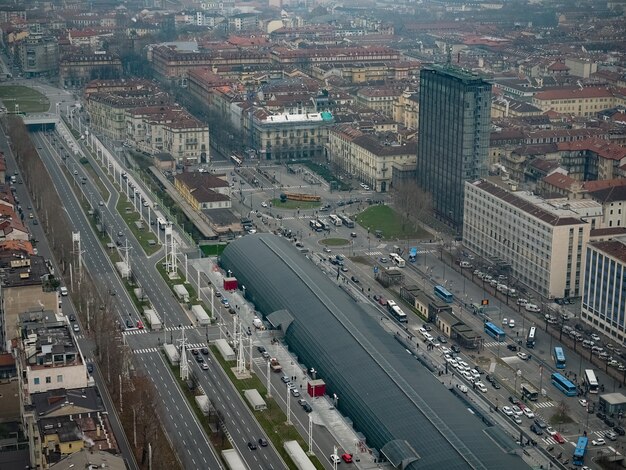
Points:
(133, 394)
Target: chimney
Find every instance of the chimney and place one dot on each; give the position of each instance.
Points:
(98, 430)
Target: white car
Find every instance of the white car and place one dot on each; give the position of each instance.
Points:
(445, 350)
(598, 442)
(423, 331)
(529, 414)
(464, 364)
(475, 373)
(507, 410)
(517, 411)
(511, 323)
(522, 302)
(583, 402)
(505, 321)
(334, 458)
(466, 374)
(595, 337)
(517, 420)
(522, 355)
(551, 431)
(462, 388)
(264, 204)
(481, 386)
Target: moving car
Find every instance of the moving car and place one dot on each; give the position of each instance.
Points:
(262, 442)
(251, 445)
(347, 458)
(334, 458)
(598, 442)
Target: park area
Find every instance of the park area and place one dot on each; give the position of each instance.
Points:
(26, 99)
(391, 224)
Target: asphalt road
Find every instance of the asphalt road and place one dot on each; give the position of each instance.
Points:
(100, 267)
(68, 308)
(174, 318)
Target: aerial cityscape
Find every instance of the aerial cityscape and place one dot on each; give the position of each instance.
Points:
(308, 234)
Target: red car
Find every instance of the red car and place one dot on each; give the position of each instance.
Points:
(347, 458)
(521, 405)
(558, 438)
(140, 325)
(382, 301)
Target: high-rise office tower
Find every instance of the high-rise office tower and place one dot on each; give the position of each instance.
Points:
(453, 142)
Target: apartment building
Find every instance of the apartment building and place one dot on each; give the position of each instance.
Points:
(543, 244)
(592, 159)
(575, 101)
(39, 55)
(379, 98)
(75, 70)
(369, 157)
(604, 288)
(107, 111)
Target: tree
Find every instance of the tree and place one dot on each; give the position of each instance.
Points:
(411, 201)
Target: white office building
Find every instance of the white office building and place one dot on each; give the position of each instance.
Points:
(542, 243)
(604, 287)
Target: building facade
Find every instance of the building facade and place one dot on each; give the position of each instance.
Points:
(369, 157)
(453, 142)
(542, 245)
(287, 136)
(39, 55)
(604, 288)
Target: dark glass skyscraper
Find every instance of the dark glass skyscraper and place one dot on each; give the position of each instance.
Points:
(453, 143)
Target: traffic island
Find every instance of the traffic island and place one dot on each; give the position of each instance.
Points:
(337, 242)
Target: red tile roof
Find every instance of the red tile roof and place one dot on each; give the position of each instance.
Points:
(574, 93)
(613, 248)
(600, 147)
(559, 180)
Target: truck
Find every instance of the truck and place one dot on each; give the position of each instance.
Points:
(200, 315)
(275, 365)
(258, 324)
(181, 292)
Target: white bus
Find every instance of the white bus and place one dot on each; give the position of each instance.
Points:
(161, 223)
(336, 220)
(591, 381)
(398, 314)
(397, 260)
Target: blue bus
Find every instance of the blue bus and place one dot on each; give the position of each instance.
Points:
(494, 331)
(564, 385)
(580, 451)
(443, 294)
(559, 357)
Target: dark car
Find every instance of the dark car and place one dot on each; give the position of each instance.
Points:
(513, 400)
(261, 349)
(205, 351)
(540, 424)
(90, 367)
(195, 352)
(496, 385)
(490, 379)
(72, 317)
(355, 279)
(619, 430)
(262, 442)
(536, 429)
(251, 445)
(376, 297)
(609, 422)
(511, 347)
(455, 348)
(306, 407)
(601, 415)
(129, 324)
(199, 359)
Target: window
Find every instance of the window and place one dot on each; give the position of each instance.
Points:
(36, 380)
(48, 380)
(59, 379)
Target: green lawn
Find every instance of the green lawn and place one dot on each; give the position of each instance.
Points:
(143, 236)
(389, 222)
(213, 250)
(335, 241)
(27, 99)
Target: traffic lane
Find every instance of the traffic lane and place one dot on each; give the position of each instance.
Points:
(179, 419)
(323, 442)
(97, 263)
(243, 426)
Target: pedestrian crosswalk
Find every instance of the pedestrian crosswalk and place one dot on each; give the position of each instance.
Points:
(196, 346)
(134, 332)
(137, 331)
(145, 350)
(544, 404)
(373, 253)
(493, 344)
